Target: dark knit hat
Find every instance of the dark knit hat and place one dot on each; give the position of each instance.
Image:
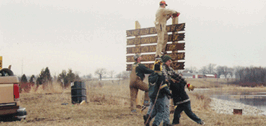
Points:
(136, 56)
(166, 58)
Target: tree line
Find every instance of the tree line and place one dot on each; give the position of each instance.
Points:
(44, 78)
(101, 72)
(66, 77)
(242, 74)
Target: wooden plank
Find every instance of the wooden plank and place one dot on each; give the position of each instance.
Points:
(151, 57)
(153, 39)
(152, 30)
(177, 56)
(152, 48)
(174, 65)
(0, 62)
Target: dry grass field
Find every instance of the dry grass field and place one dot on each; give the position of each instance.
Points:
(108, 105)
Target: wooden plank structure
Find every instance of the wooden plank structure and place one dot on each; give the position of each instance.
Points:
(153, 39)
(150, 57)
(152, 30)
(175, 65)
(144, 42)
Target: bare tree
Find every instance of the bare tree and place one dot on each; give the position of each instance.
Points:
(211, 68)
(224, 70)
(203, 70)
(230, 71)
(123, 74)
(100, 72)
(111, 73)
(192, 69)
(119, 75)
(252, 74)
(219, 71)
(89, 76)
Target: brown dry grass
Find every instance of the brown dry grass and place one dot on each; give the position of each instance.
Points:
(223, 85)
(109, 106)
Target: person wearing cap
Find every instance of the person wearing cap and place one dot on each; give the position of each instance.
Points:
(161, 17)
(158, 93)
(179, 95)
(137, 76)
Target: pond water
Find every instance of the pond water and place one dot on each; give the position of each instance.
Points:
(257, 99)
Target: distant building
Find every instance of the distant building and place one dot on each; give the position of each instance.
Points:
(210, 75)
(227, 76)
(198, 75)
(188, 75)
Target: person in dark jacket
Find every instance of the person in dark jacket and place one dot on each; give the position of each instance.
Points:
(179, 95)
(159, 102)
(136, 82)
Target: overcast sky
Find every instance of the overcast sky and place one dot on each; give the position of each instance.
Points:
(85, 35)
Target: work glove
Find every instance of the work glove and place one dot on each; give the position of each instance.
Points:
(190, 87)
(175, 14)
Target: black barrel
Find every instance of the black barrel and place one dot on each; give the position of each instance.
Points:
(78, 92)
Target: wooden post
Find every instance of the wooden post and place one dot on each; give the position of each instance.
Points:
(0, 62)
(140, 93)
(174, 21)
(237, 111)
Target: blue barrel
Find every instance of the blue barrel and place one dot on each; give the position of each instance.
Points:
(78, 92)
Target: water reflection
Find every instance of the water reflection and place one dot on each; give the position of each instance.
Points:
(257, 99)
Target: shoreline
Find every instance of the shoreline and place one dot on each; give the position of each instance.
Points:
(226, 107)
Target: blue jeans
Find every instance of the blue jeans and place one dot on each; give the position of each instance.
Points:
(186, 107)
(160, 111)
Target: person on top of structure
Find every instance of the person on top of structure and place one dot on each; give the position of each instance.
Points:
(137, 76)
(179, 95)
(159, 102)
(161, 17)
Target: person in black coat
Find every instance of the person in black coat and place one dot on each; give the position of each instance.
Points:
(179, 95)
(159, 94)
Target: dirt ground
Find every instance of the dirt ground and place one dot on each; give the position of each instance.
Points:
(108, 105)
